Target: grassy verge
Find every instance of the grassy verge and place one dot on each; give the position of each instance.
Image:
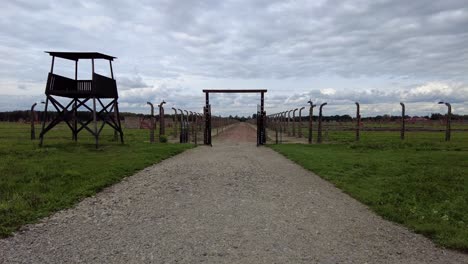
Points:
(37, 181)
(420, 184)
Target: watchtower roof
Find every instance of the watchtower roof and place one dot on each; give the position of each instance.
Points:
(80, 55)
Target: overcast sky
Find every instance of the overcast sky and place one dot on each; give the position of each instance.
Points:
(376, 52)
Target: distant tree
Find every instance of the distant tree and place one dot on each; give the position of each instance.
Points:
(436, 116)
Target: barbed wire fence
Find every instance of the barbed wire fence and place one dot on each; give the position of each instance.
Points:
(317, 126)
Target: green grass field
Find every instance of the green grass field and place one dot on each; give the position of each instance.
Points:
(421, 182)
(34, 181)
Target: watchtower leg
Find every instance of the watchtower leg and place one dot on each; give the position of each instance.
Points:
(118, 120)
(115, 119)
(44, 118)
(75, 119)
(96, 136)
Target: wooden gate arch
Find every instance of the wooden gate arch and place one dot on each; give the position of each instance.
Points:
(261, 114)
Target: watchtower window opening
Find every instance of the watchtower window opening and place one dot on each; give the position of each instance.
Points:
(101, 67)
(65, 68)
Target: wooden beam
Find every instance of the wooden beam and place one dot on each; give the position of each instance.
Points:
(235, 91)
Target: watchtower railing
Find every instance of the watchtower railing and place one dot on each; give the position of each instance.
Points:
(100, 86)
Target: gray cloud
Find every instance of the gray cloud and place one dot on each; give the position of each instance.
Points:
(132, 82)
(416, 50)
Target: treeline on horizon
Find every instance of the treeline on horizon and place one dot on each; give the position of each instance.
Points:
(25, 116)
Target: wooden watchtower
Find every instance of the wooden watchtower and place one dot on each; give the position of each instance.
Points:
(98, 96)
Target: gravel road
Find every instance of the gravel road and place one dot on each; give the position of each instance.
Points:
(230, 203)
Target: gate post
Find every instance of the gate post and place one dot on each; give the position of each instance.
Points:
(264, 136)
(262, 119)
(207, 134)
(205, 131)
(258, 125)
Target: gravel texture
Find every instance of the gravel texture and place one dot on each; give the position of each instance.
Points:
(230, 203)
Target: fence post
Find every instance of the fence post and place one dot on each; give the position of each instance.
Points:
(175, 119)
(281, 122)
(311, 117)
(187, 127)
(275, 120)
(294, 123)
(299, 132)
(192, 126)
(151, 123)
(449, 117)
(358, 120)
(162, 125)
(319, 135)
(402, 132)
(33, 130)
(182, 127)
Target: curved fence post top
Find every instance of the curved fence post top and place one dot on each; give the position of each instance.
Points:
(311, 103)
(447, 104)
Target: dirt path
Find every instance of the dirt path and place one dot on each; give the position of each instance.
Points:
(239, 134)
(232, 203)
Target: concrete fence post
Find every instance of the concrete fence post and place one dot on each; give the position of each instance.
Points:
(151, 122)
(448, 128)
(311, 119)
(358, 121)
(403, 128)
(299, 132)
(289, 123)
(33, 118)
(294, 122)
(319, 135)
(175, 119)
(162, 125)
